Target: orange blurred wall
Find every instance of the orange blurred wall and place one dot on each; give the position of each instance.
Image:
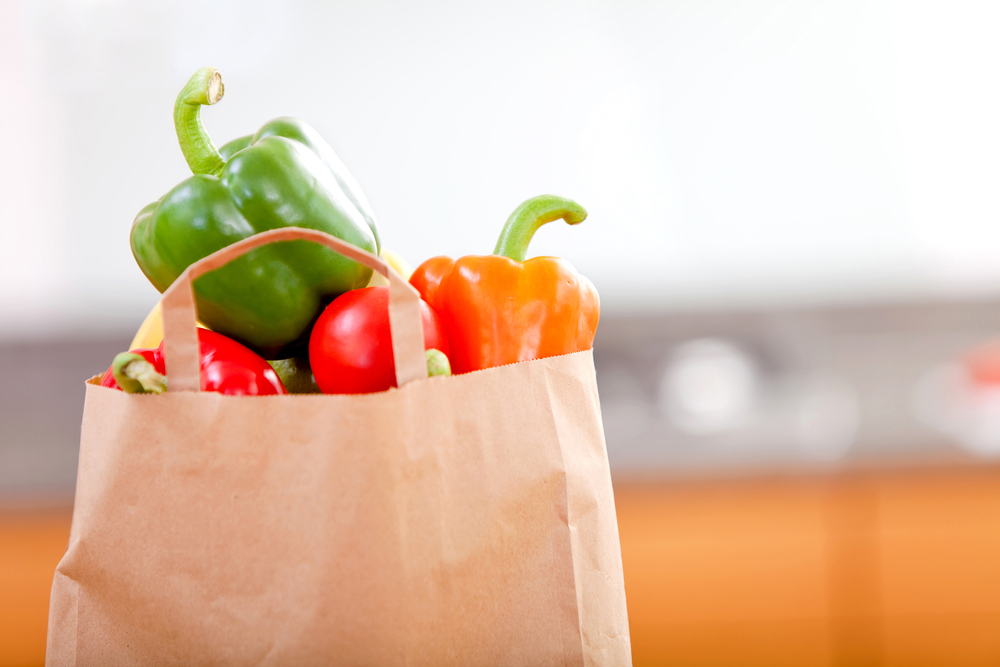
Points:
(881, 568)
(31, 544)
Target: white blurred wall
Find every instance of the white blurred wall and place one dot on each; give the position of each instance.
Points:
(728, 152)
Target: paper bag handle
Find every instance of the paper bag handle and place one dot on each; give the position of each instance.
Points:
(180, 334)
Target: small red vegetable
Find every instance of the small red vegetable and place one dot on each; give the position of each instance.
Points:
(350, 349)
(226, 367)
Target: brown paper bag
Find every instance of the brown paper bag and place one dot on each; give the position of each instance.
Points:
(463, 520)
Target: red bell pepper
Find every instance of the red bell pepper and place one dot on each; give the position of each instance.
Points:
(226, 367)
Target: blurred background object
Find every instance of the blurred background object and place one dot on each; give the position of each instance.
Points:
(792, 226)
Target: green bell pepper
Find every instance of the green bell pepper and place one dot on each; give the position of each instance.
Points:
(285, 175)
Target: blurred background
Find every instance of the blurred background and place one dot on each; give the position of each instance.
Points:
(794, 228)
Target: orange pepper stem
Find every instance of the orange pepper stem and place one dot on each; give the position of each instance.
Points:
(528, 217)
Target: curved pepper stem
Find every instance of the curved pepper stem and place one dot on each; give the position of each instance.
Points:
(204, 87)
(528, 217)
(135, 375)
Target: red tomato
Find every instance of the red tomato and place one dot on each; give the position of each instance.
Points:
(350, 349)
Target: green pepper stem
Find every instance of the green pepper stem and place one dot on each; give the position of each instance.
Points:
(437, 362)
(204, 87)
(528, 217)
(135, 375)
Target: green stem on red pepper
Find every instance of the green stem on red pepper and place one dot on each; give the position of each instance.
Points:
(528, 217)
(204, 87)
(135, 375)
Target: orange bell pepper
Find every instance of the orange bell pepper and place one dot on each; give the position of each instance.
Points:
(500, 309)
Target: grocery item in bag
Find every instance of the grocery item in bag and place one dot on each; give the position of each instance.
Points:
(464, 520)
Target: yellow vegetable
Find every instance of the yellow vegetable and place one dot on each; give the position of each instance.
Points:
(395, 261)
(150, 333)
